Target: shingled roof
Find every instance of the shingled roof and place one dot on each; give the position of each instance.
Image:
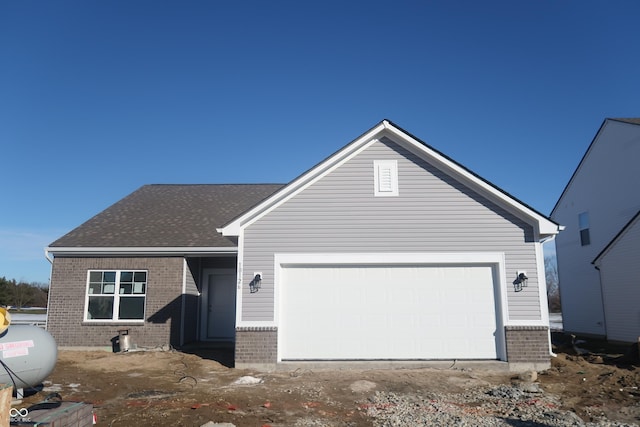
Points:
(632, 120)
(168, 216)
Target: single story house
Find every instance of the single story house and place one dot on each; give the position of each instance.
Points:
(386, 250)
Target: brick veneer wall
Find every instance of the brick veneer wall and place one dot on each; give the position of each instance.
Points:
(527, 344)
(67, 298)
(256, 346)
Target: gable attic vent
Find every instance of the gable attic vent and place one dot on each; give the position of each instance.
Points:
(385, 178)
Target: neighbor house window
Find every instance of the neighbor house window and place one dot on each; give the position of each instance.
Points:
(114, 295)
(583, 225)
(385, 178)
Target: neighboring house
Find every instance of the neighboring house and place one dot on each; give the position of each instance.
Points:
(597, 207)
(620, 277)
(386, 250)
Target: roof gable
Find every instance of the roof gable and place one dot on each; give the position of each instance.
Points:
(167, 216)
(632, 223)
(631, 120)
(543, 226)
(594, 141)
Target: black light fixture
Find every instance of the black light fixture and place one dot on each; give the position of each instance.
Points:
(521, 281)
(254, 285)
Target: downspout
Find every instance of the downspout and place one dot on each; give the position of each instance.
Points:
(542, 242)
(604, 313)
(49, 258)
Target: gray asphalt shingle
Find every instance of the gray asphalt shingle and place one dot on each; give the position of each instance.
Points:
(169, 216)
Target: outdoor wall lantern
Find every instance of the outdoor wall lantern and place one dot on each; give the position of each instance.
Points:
(254, 284)
(521, 281)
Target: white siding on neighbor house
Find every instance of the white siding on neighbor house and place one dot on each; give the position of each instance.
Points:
(432, 213)
(620, 277)
(603, 186)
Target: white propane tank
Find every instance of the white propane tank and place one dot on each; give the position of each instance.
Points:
(28, 355)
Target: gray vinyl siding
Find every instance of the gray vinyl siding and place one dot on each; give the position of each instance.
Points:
(433, 213)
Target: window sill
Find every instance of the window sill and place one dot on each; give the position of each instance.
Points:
(113, 323)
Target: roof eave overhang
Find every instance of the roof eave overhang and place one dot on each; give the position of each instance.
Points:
(140, 251)
(544, 227)
(582, 160)
(597, 261)
(233, 228)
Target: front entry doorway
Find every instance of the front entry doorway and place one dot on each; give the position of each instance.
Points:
(218, 305)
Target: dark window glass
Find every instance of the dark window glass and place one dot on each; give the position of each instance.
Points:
(100, 308)
(131, 308)
(585, 239)
(583, 226)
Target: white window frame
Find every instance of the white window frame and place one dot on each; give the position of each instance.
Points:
(385, 178)
(116, 296)
(584, 228)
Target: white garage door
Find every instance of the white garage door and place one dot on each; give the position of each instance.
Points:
(387, 312)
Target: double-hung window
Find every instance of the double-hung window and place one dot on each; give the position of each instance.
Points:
(583, 225)
(116, 295)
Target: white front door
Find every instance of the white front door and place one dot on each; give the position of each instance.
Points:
(219, 306)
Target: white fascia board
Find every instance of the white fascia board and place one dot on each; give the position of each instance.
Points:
(129, 251)
(303, 181)
(544, 226)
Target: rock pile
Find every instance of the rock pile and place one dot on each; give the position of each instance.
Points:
(521, 405)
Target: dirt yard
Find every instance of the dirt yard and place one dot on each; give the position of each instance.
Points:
(170, 388)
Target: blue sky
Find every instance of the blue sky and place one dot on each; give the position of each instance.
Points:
(98, 98)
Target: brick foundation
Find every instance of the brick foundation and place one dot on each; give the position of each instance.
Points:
(527, 345)
(256, 347)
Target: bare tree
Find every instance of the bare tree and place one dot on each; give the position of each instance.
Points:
(22, 295)
(553, 283)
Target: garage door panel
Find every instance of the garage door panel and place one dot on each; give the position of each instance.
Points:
(387, 312)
